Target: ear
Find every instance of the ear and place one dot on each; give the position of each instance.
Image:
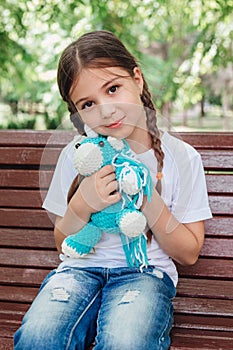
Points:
(138, 78)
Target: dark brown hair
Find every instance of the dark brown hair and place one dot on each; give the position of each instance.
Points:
(100, 49)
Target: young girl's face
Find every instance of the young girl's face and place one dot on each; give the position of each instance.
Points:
(108, 101)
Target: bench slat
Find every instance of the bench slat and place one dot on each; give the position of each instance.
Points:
(213, 140)
(205, 267)
(19, 294)
(203, 306)
(205, 288)
(219, 226)
(186, 287)
(21, 198)
(25, 178)
(26, 218)
(24, 198)
(186, 305)
(217, 247)
(26, 238)
(29, 258)
(220, 205)
(27, 138)
(37, 156)
(200, 340)
(217, 160)
(39, 218)
(6, 343)
(13, 310)
(203, 322)
(44, 258)
(213, 247)
(29, 156)
(217, 183)
(23, 276)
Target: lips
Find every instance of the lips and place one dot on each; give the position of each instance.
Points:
(116, 124)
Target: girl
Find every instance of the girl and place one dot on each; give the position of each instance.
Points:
(98, 297)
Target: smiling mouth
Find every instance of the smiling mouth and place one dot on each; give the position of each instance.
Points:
(116, 124)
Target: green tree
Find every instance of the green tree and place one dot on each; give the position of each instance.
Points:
(180, 48)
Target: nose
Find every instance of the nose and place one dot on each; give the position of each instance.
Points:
(107, 110)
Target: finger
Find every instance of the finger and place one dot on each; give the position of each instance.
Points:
(108, 179)
(112, 187)
(106, 170)
(114, 198)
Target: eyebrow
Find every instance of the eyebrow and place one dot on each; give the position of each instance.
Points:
(102, 87)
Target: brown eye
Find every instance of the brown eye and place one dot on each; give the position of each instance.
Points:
(101, 143)
(77, 145)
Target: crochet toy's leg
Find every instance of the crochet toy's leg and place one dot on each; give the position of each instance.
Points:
(132, 222)
(82, 242)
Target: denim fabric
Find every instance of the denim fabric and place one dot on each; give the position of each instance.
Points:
(119, 308)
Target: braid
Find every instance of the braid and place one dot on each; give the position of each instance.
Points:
(153, 130)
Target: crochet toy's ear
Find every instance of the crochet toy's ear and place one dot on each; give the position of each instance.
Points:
(89, 131)
(87, 158)
(117, 144)
(78, 139)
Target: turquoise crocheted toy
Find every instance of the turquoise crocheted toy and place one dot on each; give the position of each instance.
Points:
(123, 218)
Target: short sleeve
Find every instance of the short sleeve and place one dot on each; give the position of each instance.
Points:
(56, 198)
(190, 200)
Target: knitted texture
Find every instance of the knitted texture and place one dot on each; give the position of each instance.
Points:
(123, 218)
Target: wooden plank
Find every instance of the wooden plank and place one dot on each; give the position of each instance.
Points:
(6, 343)
(25, 178)
(8, 328)
(200, 340)
(23, 276)
(217, 183)
(213, 140)
(36, 138)
(205, 288)
(218, 247)
(223, 324)
(21, 198)
(29, 156)
(217, 160)
(30, 218)
(12, 310)
(29, 258)
(18, 294)
(208, 268)
(26, 238)
(219, 226)
(221, 205)
(209, 140)
(204, 306)
(184, 305)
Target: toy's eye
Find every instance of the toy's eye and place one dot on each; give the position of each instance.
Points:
(77, 145)
(101, 143)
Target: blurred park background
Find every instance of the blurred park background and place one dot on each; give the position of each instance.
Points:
(184, 47)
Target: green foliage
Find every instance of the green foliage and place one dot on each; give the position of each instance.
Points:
(179, 47)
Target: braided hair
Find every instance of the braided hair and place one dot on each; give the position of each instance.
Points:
(101, 49)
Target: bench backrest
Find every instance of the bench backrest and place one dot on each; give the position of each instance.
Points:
(27, 248)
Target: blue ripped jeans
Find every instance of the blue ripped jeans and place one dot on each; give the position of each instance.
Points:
(119, 308)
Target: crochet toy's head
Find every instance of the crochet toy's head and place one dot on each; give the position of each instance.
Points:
(92, 153)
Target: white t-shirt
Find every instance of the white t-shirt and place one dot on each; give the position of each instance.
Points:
(183, 190)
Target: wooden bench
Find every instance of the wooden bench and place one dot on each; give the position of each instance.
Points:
(203, 306)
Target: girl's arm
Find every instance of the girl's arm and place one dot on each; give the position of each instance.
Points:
(182, 242)
(95, 193)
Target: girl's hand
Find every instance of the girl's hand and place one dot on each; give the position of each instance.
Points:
(100, 189)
